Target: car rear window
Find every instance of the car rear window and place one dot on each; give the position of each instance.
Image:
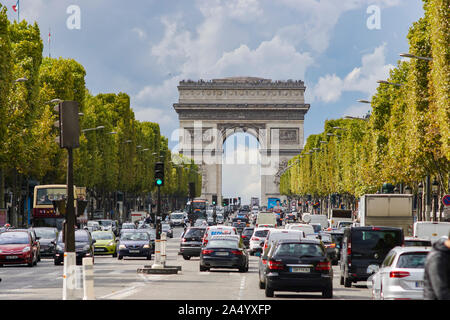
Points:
(194, 233)
(375, 240)
(229, 244)
(413, 243)
(299, 250)
(261, 233)
(414, 260)
(247, 232)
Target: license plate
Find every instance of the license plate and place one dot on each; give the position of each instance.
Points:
(419, 284)
(303, 270)
(134, 251)
(12, 257)
(221, 253)
(99, 249)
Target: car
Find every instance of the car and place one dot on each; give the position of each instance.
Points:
(272, 236)
(191, 242)
(298, 266)
(128, 225)
(217, 230)
(239, 225)
(291, 217)
(364, 248)
(200, 222)
(220, 218)
(257, 238)
(307, 228)
(329, 245)
(47, 236)
(35, 239)
(336, 239)
(210, 219)
(18, 247)
(105, 243)
(400, 276)
(176, 219)
(108, 224)
(136, 243)
(84, 247)
(224, 251)
(246, 235)
(93, 226)
(165, 227)
(417, 242)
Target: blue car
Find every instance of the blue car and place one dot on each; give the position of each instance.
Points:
(135, 243)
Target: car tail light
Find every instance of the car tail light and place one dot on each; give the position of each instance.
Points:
(243, 237)
(349, 248)
(184, 240)
(207, 252)
(323, 266)
(254, 239)
(376, 229)
(275, 265)
(399, 274)
(331, 245)
(264, 261)
(237, 252)
(205, 241)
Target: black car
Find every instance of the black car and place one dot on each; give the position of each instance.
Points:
(167, 228)
(47, 239)
(239, 225)
(224, 252)
(298, 266)
(363, 247)
(246, 235)
(84, 247)
(191, 242)
(136, 243)
(336, 244)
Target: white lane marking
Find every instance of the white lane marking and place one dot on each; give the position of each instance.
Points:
(241, 288)
(123, 293)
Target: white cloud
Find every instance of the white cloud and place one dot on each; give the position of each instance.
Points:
(362, 79)
(140, 33)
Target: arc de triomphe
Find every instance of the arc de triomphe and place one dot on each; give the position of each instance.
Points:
(211, 111)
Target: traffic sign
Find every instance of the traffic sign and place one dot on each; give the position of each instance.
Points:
(446, 200)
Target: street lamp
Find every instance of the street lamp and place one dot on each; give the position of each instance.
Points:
(408, 190)
(23, 79)
(54, 101)
(435, 191)
(391, 83)
(366, 118)
(92, 129)
(420, 193)
(363, 101)
(409, 55)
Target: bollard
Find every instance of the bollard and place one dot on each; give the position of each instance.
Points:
(157, 264)
(69, 276)
(88, 279)
(163, 248)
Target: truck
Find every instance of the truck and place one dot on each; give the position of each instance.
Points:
(431, 230)
(338, 215)
(266, 218)
(138, 215)
(388, 210)
(316, 218)
(254, 202)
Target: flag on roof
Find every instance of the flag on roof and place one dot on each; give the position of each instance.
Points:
(16, 6)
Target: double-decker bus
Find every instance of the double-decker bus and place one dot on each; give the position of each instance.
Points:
(44, 214)
(197, 209)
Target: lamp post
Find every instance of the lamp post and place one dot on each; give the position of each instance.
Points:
(420, 194)
(409, 55)
(390, 83)
(435, 191)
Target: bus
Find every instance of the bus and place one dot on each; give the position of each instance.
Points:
(197, 209)
(44, 214)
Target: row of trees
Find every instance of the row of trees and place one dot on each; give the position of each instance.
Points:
(405, 141)
(119, 157)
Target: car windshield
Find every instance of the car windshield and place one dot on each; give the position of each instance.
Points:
(45, 233)
(299, 250)
(165, 226)
(417, 243)
(229, 244)
(194, 233)
(105, 223)
(102, 235)
(247, 232)
(414, 260)
(345, 224)
(261, 233)
(80, 236)
(177, 216)
(92, 223)
(128, 226)
(14, 238)
(317, 227)
(135, 236)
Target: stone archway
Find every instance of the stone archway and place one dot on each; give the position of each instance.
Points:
(210, 111)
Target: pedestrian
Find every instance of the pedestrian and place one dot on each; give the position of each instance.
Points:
(437, 271)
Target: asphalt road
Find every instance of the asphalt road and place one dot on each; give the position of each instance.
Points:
(114, 279)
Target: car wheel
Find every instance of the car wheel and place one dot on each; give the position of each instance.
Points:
(149, 257)
(186, 257)
(39, 258)
(119, 257)
(268, 291)
(262, 285)
(114, 255)
(204, 268)
(328, 292)
(57, 263)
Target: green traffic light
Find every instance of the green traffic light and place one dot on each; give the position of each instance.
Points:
(158, 182)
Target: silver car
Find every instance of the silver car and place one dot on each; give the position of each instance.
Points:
(400, 276)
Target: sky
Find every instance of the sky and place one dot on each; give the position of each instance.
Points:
(339, 48)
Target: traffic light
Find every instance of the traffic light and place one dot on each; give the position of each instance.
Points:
(226, 202)
(214, 199)
(159, 174)
(68, 124)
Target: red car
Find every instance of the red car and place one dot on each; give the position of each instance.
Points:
(17, 247)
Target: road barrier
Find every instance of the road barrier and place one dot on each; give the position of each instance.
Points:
(88, 279)
(69, 277)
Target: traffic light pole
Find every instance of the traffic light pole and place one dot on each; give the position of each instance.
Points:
(158, 264)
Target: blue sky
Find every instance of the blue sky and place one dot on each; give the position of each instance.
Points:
(145, 47)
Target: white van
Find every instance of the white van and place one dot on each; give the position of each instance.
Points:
(316, 218)
(431, 230)
(176, 219)
(266, 218)
(306, 228)
(217, 230)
